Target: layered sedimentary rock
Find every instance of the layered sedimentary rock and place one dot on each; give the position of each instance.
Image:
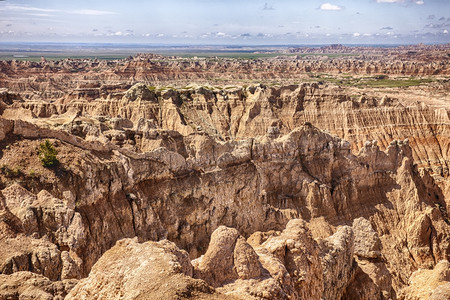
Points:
(287, 265)
(239, 113)
(407, 52)
(295, 191)
(94, 78)
(100, 194)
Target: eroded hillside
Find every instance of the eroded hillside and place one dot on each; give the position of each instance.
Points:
(322, 188)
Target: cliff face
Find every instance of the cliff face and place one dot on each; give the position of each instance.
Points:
(99, 196)
(239, 113)
(295, 191)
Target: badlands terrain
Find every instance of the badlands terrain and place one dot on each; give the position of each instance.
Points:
(320, 173)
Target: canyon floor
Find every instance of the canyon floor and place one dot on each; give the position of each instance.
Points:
(313, 173)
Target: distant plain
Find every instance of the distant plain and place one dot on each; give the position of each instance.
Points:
(59, 51)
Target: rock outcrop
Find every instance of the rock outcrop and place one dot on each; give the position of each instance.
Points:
(28, 285)
(133, 120)
(203, 184)
(288, 265)
(93, 79)
(429, 284)
(315, 190)
(152, 270)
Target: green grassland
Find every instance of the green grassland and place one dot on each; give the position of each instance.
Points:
(56, 57)
(396, 82)
(245, 55)
(251, 55)
(378, 81)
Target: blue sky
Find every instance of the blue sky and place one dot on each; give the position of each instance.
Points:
(227, 22)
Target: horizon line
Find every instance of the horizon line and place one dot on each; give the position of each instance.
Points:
(218, 45)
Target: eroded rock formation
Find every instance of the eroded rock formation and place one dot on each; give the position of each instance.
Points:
(296, 191)
(108, 194)
(133, 120)
(287, 265)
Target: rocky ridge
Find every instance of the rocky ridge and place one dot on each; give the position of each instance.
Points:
(132, 120)
(256, 192)
(95, 78)
(106, 197)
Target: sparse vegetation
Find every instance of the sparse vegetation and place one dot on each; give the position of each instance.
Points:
(33, 173)
(386, 82)
(10, 172)
(376, 81)
(47, 154)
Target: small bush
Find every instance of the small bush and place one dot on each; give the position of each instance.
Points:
(33, 173)
(8, 172)
(47, 154)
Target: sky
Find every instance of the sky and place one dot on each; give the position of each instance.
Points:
(214, 22)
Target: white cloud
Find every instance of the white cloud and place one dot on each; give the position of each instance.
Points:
(418, 2)
(27, 8)
(88, 12)
(92, 12)
(329, 6)
(356, 34)
(263, 35)
(445, 31)
(117, 33)
(39, 15)
(390, 1)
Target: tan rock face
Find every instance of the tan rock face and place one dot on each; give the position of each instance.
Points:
(28, 285)
(288, 265)
(429, 284)
(293, 191)
(188, 194)
(217, 265)
(150, 270)
(92, 79)
(367, 242)
(337, 262)
(372, 279)
(255, 111)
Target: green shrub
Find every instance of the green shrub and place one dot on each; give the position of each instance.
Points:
(33, 173)
(8, 172)
(47, 154)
